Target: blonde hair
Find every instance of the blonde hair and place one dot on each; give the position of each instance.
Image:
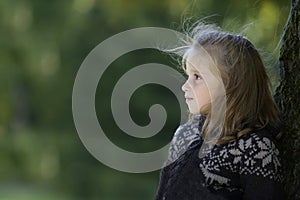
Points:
(249, 101)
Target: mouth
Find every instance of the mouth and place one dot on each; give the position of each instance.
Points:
(188, 98)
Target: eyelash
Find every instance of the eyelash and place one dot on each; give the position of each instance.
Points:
(197, 76)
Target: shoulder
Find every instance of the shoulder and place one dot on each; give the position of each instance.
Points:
(257, 140)
(259, 155)
(258, 144)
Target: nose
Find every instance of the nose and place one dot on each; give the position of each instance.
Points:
(184, 87)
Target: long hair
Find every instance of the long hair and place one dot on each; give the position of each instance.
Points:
(249, 101)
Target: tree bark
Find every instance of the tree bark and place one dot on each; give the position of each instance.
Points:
(287, 97)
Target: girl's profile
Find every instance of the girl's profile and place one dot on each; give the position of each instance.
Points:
(243, 161)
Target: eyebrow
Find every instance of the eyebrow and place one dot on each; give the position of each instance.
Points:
(192, 71)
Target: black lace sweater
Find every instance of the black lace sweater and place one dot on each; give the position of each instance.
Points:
(249, 168)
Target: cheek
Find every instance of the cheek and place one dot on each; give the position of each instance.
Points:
(202, 93)
(207, 93)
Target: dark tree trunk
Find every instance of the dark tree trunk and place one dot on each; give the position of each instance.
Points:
(287, 97)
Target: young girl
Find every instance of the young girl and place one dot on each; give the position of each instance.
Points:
(228, 149)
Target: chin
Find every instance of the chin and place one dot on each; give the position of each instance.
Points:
(194, 112)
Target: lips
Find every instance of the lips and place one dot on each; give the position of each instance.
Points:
(188, 98)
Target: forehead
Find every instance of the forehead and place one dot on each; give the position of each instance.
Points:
(194, 60)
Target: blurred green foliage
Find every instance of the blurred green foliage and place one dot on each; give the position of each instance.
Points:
(43, 44)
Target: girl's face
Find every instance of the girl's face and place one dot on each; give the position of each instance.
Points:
(196, 91)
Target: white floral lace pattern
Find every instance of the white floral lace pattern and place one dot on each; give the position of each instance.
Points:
(253, 154)
(183, 137)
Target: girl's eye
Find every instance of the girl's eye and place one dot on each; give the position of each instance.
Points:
(197, 76)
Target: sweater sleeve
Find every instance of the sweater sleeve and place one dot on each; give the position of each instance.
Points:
(260, 169)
